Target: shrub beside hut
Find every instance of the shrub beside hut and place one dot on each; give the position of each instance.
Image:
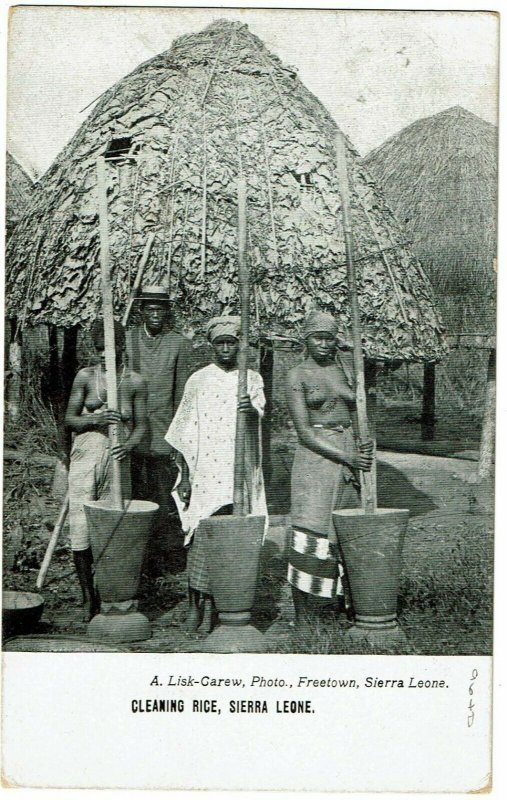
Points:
(177, 132)
(439, 176)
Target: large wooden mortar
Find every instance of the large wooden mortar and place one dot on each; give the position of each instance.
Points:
(233, 550)
(371, 545)
(118, 539)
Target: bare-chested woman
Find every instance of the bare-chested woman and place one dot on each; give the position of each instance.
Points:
(89, 417)
(321, 403)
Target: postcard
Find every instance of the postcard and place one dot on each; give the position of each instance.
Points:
(249, 422)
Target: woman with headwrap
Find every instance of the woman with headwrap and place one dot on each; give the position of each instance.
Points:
(203, 431)
(320, 400)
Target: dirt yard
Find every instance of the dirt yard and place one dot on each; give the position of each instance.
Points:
(446, 595)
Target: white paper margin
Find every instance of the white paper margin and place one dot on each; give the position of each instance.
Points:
(339, 733)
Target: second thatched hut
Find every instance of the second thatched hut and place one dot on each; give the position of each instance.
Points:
(440, 176)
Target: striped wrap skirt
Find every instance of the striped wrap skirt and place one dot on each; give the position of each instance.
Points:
(319, 487)
(197, 563)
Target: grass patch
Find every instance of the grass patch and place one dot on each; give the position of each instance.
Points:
(35, 429)
(449, 612)
(329, 638)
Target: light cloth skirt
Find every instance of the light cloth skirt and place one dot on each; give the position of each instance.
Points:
(88, 480)
(319, 487)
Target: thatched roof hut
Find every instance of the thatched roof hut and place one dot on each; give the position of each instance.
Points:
(18, 191)
(439, 176)
(215, 105)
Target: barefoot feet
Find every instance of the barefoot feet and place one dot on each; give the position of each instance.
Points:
(193, 619)
(208, 618)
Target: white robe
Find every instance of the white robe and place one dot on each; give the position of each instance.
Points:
(204, 432)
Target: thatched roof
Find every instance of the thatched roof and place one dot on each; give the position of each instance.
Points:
(217, 103)
(439, 176)
(18, 190)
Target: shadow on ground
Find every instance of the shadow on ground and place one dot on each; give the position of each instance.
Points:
(394, 490)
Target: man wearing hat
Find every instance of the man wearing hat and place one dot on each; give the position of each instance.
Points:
(163, 358)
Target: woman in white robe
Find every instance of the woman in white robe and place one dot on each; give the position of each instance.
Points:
(203, 431)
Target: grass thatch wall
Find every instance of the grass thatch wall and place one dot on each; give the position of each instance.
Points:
(217, 104)
(439, 176)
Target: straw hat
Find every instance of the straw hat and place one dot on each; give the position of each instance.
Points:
(155, 294)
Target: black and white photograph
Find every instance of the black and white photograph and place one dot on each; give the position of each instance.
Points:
(249, 411)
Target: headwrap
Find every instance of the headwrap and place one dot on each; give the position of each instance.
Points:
(223, 326)
(319, 322)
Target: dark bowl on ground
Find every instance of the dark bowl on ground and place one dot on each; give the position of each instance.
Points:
(21, 612)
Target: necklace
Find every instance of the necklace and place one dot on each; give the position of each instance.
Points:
(98, 374)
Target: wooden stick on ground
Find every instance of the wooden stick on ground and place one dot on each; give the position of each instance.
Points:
(244, 292)
(368, 493)
(60, 522)
(109, 343)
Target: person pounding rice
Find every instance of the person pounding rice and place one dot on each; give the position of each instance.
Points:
(89, 417)
(203, 431)
(320, 401)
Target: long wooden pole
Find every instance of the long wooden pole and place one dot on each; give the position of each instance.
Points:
(428, 404)
(486, 453)
(14, 384)
(368, 493)
(244, 294)
(60, 522)
(109, 343)
(204, 196)
(266, 369)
